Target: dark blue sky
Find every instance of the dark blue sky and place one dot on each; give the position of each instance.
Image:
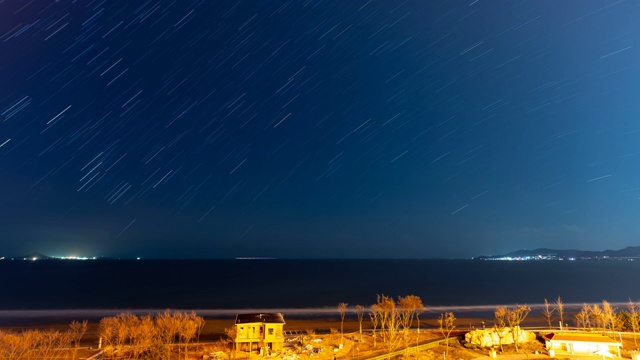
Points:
(318, 128)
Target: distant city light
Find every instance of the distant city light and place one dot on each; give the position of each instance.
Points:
(71, 257)
(552, 258)
(75, 258)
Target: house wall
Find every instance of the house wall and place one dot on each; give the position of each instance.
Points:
(274, 336)
(587, 347)
(249, 332)
(254, 336)
(273, 332)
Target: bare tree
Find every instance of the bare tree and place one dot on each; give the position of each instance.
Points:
(548, 313)
(51, 344)
(107, 333)
(167, 328)
(360, 314)
(447, 325)
(188, 329)
(230, 338)
(560, 311)
(419, 309)
(177, 318)
(77, 331)
(342, 309)
(597, 317)
(409, 306)
(515, 317)
(30, 340)
(389, 322)
(123, 323)
(136, 334)
(199, 326)
(583, 318)
(501, 315)
(38, 344)
(18, 346)
(146, 338)
(610, 319)
(634, 319)
(375, 316)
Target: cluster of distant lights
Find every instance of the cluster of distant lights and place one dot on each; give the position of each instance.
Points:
(75, 258)
(551, 257)
(527, 258)
(54, 258)
(82, 258)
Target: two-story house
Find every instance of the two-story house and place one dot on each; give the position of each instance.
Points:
(255, 332)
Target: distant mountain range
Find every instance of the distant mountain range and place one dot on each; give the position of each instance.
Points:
(629, 252)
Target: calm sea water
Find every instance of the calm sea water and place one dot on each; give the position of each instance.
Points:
(283, 284)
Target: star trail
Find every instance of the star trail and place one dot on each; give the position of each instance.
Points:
(340, 129)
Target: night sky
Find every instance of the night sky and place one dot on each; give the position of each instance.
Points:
(342, 129)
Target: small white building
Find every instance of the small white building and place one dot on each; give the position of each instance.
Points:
(595, 344)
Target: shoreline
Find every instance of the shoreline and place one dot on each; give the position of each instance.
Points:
(296, 311)
(16, 317)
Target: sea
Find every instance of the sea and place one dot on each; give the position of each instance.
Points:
(305, 287)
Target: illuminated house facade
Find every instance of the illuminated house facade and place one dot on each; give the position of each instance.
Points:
(582, 344)
(259, 332)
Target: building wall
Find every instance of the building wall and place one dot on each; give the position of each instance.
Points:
(255, 336)
(273, 332)
(249, 332)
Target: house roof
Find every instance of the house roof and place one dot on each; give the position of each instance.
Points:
(592, 338)
(273, 318)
